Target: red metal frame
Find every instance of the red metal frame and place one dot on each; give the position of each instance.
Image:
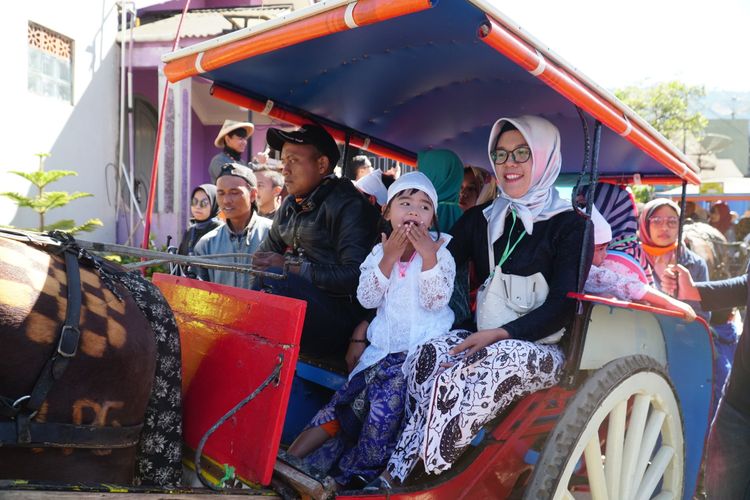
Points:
(568, 85)
(322, 24)
(157, 147)
(297, 119)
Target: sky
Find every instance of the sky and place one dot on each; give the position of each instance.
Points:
(639, 42)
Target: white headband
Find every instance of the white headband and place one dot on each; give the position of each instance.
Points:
(414, 180)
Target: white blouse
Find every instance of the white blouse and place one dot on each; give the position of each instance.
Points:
(412, 308)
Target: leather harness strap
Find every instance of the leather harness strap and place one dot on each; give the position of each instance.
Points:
(53, 435)
(67, 347)
(21, 430)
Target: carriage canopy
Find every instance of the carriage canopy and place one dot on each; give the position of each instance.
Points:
(400, 76)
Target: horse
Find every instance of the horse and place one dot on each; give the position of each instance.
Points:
(93, 376)
(724, 259)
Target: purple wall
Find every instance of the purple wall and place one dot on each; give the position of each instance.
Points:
(199, 4)
(201, 150)
(146, 84)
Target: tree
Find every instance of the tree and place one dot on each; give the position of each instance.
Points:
(45, 201)
(666, 107)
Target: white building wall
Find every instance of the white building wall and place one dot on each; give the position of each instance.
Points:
(81, 136)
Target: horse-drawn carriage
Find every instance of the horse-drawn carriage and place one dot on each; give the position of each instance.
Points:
(629, 418)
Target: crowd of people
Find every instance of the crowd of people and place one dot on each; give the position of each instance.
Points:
(445, 290)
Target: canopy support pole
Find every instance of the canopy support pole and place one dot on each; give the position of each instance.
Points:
(678, 250)
(578, 333)
(155, 164)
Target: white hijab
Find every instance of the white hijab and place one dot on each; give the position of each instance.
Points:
(541, 201)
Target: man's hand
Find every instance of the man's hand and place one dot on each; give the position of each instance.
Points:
(264, 260)
(675, 277)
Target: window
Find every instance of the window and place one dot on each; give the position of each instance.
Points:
(50, 63)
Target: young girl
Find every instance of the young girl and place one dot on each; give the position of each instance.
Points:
(607, 277)
(408, 277)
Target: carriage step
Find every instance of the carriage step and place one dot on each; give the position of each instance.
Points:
(306, 482)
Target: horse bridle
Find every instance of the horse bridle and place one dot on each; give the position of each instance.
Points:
(21, 430)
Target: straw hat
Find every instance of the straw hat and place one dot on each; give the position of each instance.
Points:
(229, 126)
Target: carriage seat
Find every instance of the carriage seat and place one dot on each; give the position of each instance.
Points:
(329, 372)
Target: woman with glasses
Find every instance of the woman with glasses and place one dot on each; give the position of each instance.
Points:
(659, 226)
(459, 382)
(204, 210)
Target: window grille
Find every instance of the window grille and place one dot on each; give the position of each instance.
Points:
(50, 63)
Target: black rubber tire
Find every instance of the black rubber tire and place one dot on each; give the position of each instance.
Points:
(562, 440)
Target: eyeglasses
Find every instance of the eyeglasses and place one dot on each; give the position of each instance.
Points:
(672, 222)
(195, 202)
(519, 155)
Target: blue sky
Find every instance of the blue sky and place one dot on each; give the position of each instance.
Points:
(618, 43)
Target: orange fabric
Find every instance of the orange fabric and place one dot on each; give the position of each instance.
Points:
(331, 428)
(655, 251)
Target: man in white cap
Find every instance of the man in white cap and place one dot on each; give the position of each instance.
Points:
(232, 139)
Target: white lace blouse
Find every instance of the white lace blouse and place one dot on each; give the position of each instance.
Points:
(603, 281)
(412, 308)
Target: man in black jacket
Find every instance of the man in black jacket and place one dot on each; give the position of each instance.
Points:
(329, 226)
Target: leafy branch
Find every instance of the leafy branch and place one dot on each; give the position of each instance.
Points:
(43, 202)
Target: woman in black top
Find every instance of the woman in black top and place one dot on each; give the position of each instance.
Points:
(459, 382)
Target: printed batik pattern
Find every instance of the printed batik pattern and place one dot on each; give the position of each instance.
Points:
(159, 456)
(466, 396)
(370, 409)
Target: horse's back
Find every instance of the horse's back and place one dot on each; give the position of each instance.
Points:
(108, 381)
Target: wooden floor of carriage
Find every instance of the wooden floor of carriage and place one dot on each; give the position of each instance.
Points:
(77, 495)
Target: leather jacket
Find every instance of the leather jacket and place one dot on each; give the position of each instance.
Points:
(332, 230)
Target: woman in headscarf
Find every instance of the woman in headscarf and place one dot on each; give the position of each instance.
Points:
(721, 219)
(534, 235)
(446, 172)
(204, 210)
(658, 228)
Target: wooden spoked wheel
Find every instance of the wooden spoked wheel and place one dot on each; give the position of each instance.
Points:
(619, 438)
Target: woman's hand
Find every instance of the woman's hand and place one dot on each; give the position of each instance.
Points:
(357, 345)
(423, 243)
(678, 277)
(478, 340)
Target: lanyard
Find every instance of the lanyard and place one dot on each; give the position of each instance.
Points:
(402, 267)
(508, 248)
